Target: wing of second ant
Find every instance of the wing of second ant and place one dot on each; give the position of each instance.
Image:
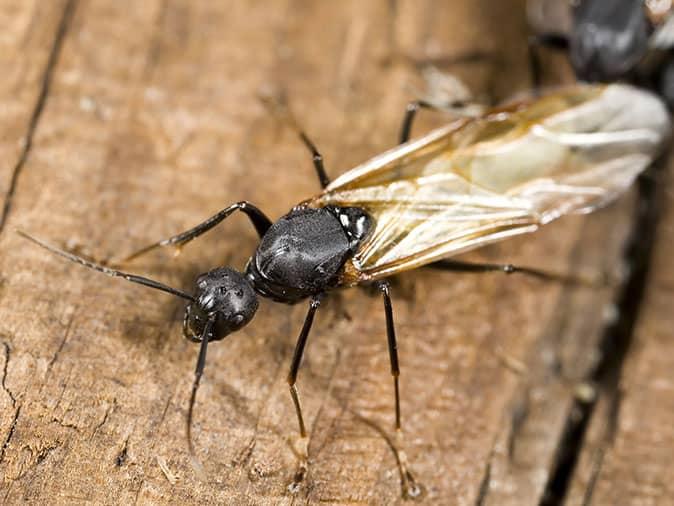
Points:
(663, 35)
(481, 180)
(661, 16)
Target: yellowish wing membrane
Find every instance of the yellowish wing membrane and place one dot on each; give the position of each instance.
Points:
(481, 180)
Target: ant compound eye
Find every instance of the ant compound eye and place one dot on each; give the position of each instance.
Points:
(238, 319)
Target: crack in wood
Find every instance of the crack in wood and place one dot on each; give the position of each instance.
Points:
(67, 425)
(4, 374)
(518, 416)
(484, 484)
(596, 467)
(44, 453)
(66, 334)
(140, 488)
(37, 111)
(110, 409)
(12, 428)
(614, 345)
(123, 454)
(607, 439)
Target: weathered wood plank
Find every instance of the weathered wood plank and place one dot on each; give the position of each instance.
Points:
(153, 121)
(626, 458)
(29, 43)
(557, 366)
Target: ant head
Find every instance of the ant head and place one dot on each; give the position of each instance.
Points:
(223, 296)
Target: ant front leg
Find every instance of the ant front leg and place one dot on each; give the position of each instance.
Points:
(323, 178)
(278, 106)
(257, 218)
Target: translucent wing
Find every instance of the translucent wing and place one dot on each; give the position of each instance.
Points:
(480, 180)
(663, 36)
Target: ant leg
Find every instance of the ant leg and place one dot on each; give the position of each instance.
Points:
(257, 218)
(549, 40)
(278, 106)
(317, 158)
(292, 380)
(385, 288)
(297, 360)
(198, 372)
(459, 266)
(409, 485)
(410, 112)
(456, 108)
(444, 93)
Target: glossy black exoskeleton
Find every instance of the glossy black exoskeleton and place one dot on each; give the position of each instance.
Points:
(299, 256)
(226, 295)
(302, 253)
(606, 40)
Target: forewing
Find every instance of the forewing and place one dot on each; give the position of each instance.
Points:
(481, 180)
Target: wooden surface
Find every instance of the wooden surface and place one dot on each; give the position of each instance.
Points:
(626, 458)
(126, 122)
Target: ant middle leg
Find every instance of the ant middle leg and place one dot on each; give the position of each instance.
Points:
(258, 219)
(297, 360)
(323, 178)
(292, 383)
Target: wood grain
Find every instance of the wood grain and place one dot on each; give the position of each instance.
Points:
(29, 45)
(626, 454)
(152, 121)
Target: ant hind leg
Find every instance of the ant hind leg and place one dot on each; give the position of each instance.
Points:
(410, 488)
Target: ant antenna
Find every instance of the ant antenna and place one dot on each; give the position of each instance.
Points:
(106, 270)
(201, 362)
